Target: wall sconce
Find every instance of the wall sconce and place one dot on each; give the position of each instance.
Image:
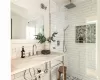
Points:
(43, 6)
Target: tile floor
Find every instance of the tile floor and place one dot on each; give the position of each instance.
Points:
(72, 78)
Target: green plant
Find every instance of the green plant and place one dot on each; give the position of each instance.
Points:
(52, 37)
(42, 38)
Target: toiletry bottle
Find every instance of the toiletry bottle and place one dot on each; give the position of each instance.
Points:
(23, 52)
(33, 50)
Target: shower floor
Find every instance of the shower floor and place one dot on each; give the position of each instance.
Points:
(72, 78)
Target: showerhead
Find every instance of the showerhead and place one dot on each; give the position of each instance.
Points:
(71, 5)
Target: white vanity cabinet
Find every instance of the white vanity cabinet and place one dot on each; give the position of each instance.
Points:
(40, 67)
(31, 73)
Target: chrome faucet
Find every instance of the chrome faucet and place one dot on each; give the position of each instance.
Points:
(34, 49)
(29, 54)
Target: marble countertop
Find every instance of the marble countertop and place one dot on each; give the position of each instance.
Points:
(21, 64)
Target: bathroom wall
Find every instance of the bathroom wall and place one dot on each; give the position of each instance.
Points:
(98, 42)
(58, 23)
(16, 47)
(19, 10)
(81, 58)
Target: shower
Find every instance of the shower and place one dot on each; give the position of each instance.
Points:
(70, 5)
(64, 40)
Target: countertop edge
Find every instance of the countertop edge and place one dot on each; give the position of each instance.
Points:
(42, 62)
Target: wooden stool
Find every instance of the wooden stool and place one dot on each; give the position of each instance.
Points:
(62, 70)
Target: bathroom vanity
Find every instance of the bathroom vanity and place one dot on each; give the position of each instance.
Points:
(38, 67)
(23, 30)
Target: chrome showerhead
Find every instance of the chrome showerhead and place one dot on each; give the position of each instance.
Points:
(71, 5)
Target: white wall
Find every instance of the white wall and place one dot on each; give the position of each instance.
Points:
(98, 41)
(19, 10)
(18, 26)
(81, 57)
(57, 25)
(16, 47)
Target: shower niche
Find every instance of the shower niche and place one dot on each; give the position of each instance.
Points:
(86, 33)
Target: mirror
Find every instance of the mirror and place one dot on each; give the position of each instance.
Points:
(34, 27)
(22, 28)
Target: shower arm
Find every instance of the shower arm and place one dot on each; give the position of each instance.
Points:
(66, 28)
(64, 44)
(70, 1)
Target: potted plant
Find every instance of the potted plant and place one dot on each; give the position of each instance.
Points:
(42, 39)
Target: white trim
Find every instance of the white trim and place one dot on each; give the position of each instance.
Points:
(22, 41)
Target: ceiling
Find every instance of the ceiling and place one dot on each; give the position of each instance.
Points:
(61, 2)
(58, 2)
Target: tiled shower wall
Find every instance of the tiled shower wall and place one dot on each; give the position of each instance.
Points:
(57, 25)
(81, 57)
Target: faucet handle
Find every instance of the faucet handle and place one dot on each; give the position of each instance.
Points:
(29, 54)
(35, 45)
